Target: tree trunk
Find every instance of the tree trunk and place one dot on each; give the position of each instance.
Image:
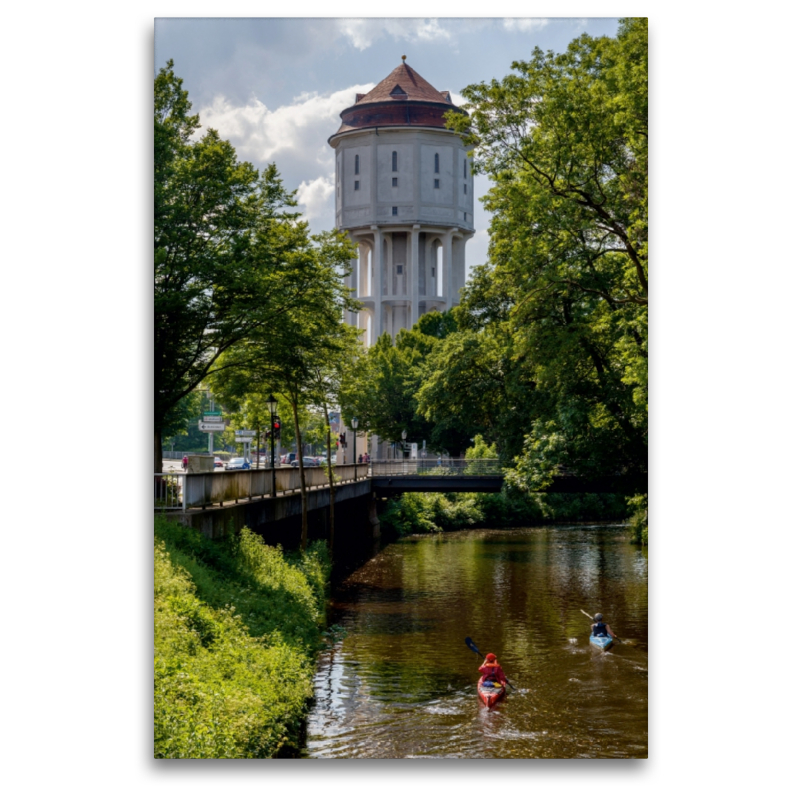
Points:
(303, 498)
(158, 463)
(330, 477)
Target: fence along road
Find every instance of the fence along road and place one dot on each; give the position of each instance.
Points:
(180, 490)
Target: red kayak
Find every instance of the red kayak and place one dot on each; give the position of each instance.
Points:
(490, 693)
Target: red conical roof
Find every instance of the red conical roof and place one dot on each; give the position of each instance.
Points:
(408, 82)
(403, 98)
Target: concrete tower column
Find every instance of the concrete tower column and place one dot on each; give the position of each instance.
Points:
(447, 268)
(413, 275)
(377, 283)
(352, 282)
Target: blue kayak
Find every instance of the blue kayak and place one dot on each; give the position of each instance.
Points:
(603, 642)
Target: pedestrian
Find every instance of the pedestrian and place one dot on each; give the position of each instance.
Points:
(600, 628)
(491, 670)
(361, 459)
(185, 461)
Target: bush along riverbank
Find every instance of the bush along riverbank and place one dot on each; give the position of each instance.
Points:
(237, 629)
(432, 512)
(638, 505)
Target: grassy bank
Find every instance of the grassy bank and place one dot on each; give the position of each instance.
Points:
(237, 628)
(431, 512)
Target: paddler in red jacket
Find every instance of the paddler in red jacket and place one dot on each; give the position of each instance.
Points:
(491, 670)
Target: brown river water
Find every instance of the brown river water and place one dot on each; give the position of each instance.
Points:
(402, 682)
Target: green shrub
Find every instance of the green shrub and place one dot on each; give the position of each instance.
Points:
(432, 512)
(237, 628)
(638, 522)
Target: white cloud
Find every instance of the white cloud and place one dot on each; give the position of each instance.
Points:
(316, 196)
(295, 137)
(262, 135)
(524, 24)
(363, 33)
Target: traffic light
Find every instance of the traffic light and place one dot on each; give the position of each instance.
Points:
(276, 428)
(343, 439)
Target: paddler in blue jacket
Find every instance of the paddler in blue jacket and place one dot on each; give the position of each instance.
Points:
(600, 628)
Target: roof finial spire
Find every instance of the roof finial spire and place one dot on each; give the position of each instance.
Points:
(404, 59)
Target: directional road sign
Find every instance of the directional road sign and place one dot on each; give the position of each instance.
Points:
(246, 439)
(211, 426)
(245, 433)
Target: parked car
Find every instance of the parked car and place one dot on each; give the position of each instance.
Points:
(308, 461)
(238, 463)
(287, 458)
(218, 462)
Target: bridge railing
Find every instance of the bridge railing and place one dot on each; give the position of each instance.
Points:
(179, 490)
(437, 466)
(168, 490)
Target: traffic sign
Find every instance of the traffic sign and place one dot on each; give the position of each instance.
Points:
(209, 427)
(245, 433)
(245, 439)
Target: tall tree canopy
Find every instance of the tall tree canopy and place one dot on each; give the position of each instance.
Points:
(381, 388)
(232, 260)
(554, 331)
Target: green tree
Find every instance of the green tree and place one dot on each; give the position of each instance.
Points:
(381, 389)
(223, 261)
(288, 358)
(551, 354)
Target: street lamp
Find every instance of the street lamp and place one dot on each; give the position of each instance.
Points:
(354, 425)
(272, 405)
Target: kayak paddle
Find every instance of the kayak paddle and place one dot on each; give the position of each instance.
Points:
(592, 619)
(472, 646)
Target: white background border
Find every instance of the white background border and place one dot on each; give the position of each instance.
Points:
(78, 386)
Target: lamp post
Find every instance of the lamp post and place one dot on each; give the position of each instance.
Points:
(403, 435)
(354, 425)
(272, 404)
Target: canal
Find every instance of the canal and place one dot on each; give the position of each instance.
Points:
(402, 682)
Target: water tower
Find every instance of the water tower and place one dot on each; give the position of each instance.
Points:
(404, 195)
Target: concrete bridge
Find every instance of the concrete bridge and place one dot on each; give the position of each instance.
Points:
(268, 500)
(180, 491)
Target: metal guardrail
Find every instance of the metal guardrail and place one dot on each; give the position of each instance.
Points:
(437, 466)
(180, 490)
(168, 490)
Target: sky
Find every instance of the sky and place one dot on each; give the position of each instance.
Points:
(275, 87)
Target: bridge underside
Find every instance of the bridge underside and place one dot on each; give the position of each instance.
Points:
(397, 484)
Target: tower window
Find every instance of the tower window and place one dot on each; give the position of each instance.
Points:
(394, 211)
(465, 169)
(433, 272)
(465, 188)
(394, 160)
(465, 216)
(357, 164)
(394, 181)
(357, 185)
(399, 269)
(435, 183)
(436, 163)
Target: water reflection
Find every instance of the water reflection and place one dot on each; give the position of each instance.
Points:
(402, 684)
